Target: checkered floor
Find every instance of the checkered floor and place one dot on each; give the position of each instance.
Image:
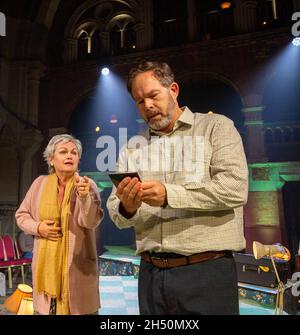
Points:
(119, 297)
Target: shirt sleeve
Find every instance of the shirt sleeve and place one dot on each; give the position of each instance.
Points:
(227, 186)
(120, 221)
(113, 202)
(90, 211)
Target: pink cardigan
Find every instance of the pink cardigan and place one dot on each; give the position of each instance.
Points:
(86, 214)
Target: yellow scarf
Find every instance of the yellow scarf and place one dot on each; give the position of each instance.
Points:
(51, 274)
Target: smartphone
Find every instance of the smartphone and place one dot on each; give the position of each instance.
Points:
(117, 177)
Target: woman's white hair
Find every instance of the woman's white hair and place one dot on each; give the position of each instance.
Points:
(50, 149)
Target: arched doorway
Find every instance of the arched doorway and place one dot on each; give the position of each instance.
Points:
(204, 95)
(281, 101)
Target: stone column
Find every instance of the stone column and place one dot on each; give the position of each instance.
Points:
(245, 16)
(255, 146)
(105, 43)
(4, 75)
(296, 5)
(70, 50)
(192, 20)
(147, 20)
(31, 142)
(264, 219)
(141, 42)
(36, 70)
(18, 101)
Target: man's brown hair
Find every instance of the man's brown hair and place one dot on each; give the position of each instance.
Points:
(162, 72)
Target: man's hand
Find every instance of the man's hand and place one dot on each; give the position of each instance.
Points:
(48, 231)
(82, 185)
(154, 193)
(130, 193)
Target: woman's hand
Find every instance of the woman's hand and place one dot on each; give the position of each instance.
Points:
(82, 185)
(48, 231)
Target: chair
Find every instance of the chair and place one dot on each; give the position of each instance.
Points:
(13, 258)
(24, 245)
(23, 256)
(5, 263)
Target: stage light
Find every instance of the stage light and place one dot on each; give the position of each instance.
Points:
(105, 71)
(97, 129)
(296, 41)
(169, 20)
(226, 5)
(114, 119)
(274, 250)
(280, 252)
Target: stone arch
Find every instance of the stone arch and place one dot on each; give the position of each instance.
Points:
(118, 17)
(208, 91)
(279, 96)
(204, 75)
(47, 12)
(71, 25)
(296, 134)
(7, 135)
(278, 135)
(78, 98)
(269, 136)
(90, 26)
(287, 134)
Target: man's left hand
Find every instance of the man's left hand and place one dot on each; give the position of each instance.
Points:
(154, 193)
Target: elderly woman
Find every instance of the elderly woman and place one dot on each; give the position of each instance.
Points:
(62, 211)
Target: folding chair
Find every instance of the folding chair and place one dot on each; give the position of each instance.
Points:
(12, 258)
(5, 263)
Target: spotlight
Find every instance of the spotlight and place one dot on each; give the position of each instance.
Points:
(225, 5)
(105, 71)
(296, 41)
(277, 251)
(97, 129)
(113, 119)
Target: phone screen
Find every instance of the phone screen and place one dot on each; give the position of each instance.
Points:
(117, 177)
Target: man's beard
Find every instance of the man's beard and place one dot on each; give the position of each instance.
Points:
(165, 120)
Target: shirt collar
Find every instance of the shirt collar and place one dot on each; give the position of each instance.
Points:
(186, 117)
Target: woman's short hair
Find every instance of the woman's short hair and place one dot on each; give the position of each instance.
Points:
(50, 149)
(162, 72)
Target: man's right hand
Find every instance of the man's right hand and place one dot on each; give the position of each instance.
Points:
(48, 231)
(130, 193)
